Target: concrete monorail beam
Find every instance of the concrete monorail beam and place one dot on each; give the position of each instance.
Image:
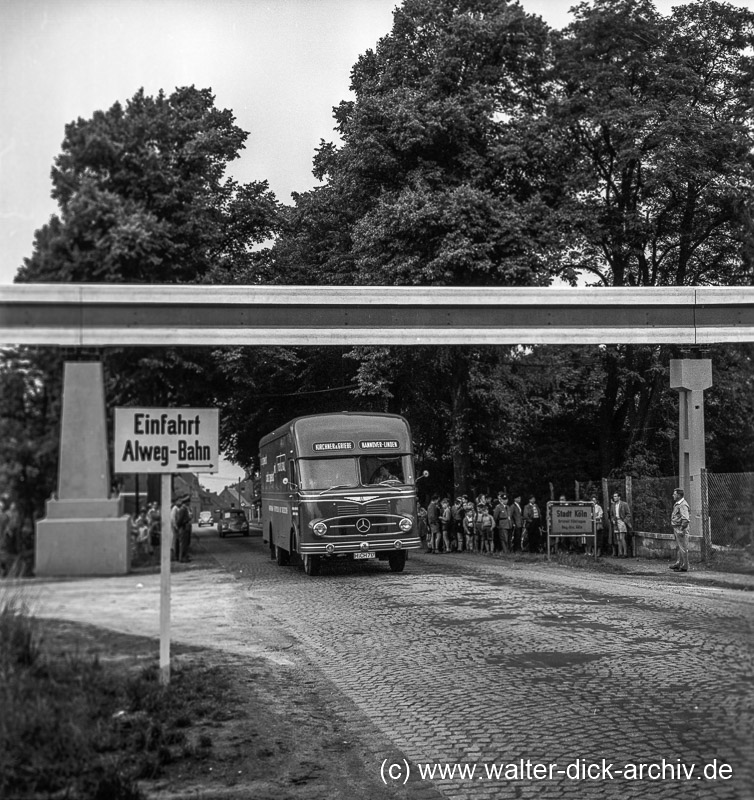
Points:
(147, 314)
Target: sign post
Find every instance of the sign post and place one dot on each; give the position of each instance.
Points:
(166, 440)
(166, 546)
(571, 519)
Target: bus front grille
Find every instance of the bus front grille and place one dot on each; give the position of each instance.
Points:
(354, 525)
(368, 510)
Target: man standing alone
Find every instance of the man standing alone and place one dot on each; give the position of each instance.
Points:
(680, 519)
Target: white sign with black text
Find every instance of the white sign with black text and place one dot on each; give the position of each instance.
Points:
(166, 440)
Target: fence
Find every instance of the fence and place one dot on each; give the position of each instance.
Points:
(651, 499)
(727, 505)
(652, 503)
(728, 508)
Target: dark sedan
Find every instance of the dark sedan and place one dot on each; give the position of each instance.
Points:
(233, 521)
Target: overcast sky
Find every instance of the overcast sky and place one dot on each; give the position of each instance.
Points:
(279, 65)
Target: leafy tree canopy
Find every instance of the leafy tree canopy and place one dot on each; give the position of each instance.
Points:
(481, 147)
(417, 193)
(650, 127)
(29, 410)
(143, 197)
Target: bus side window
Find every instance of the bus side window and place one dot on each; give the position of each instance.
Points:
(280, 472)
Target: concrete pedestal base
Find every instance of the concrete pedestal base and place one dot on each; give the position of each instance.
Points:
(83, 537)
(662, 545)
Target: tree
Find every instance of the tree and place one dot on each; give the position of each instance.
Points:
(482, 148)
(257, 389)
(419, 170)
(649, 130)
(143, 200)
(651, 123)
(729, 409)
(29, 425)
(419, 191)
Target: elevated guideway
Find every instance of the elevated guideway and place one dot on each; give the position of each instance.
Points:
(192, 315)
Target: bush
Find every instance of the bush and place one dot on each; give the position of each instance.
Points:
(19, 635)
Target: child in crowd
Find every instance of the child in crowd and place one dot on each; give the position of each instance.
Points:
(469, 529)
(445, 524)
(486, 529)
(141, 526)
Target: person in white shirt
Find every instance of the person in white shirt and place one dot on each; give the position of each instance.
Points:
(680, 519)
(599, 522)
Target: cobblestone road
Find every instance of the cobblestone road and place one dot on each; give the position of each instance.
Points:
(468, 661)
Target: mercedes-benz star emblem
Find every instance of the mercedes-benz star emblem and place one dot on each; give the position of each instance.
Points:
(363, 525)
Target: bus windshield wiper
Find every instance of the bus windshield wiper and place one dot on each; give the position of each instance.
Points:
(337, 486)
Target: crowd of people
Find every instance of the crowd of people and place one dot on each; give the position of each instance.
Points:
(493, 525)
(146, 527)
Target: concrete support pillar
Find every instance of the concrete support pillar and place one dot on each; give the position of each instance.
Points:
(691, 377)
(85, 531)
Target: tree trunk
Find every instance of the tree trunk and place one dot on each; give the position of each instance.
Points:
(607, 443)
(627, 404)
(460, 433)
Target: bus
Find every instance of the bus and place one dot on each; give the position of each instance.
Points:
(339, 485)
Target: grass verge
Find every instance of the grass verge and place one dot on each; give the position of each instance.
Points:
(76, 726)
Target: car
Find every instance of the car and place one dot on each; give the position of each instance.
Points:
(205, 518)
(232, 521)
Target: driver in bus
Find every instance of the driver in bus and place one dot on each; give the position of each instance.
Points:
(382, 473)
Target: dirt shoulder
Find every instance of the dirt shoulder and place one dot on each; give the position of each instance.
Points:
(246, 727)
(260, 722)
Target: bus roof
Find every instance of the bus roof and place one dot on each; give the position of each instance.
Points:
(342, 432)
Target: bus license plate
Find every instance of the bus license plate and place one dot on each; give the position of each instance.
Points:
(365, 555)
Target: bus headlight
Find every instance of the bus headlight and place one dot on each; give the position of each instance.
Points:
(406, 524)
(320, 529)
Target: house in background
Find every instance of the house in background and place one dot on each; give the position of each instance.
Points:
(141, 490)
(201, 498)
(246, 495)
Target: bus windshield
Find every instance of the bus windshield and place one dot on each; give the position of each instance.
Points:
(328, 473)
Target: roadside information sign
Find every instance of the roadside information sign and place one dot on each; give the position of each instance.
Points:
(570, 519)
(166, 440)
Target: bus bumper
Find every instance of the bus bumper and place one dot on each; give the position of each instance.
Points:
(357, 546)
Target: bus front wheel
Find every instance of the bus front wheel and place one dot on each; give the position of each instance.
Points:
(311, 565)
(397, 560)
(283, 557)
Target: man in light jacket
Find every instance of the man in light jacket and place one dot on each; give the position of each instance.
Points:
(680, 518)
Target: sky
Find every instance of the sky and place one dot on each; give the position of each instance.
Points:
(279, 65)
